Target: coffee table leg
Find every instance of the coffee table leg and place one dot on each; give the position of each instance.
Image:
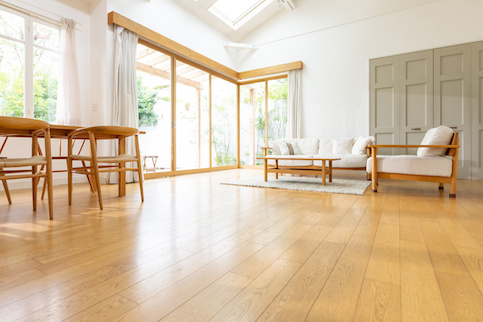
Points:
(330, 170)
(265, 168)
(276, 166)
(323, 173)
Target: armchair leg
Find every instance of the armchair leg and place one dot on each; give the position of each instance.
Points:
(441, 186)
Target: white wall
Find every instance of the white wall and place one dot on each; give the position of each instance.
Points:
(336, 59)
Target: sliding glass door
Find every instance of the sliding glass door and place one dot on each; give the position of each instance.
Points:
(190, 120)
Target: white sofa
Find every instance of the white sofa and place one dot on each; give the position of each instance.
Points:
(353, 152)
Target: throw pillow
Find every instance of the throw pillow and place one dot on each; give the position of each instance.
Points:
(440, 135)
(343, 146)
(284, 149)
(275, 148)
(360, 145)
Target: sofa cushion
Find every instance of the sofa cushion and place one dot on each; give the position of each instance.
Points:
(440, 135)
(306, 146)
(346, 161)
(412, 164)
(293, 163)
(326, 147)
(342, 146)
(361, 143)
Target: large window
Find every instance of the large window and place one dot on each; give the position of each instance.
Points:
(28, 66)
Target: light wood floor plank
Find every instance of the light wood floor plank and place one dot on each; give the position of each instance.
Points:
(378, 301)
(296, 299)
(253, 300)
(463, 300)
(420, 295)
(344, 282)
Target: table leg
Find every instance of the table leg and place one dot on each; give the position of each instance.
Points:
(323, 173)
(330, 170)
(122, 174)
(276, 166)
(265, 167)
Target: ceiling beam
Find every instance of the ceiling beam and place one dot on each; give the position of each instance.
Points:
(167, 75)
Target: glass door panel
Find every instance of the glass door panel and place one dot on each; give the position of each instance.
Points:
(154, 107)
(277, 109)
(192, 117)
(252, 123)
(224, 123)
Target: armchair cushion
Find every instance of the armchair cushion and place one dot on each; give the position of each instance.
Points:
(440, 135)
(412, 164)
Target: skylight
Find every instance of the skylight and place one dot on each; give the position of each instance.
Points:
(235, 12)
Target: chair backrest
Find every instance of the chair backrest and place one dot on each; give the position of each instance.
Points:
(454, 141)
(19, 125)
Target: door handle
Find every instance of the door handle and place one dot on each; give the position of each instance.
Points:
(453, 127)
(416, 129)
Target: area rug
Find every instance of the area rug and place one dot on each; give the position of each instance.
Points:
(346, 186)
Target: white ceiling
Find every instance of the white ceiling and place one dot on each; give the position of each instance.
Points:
(199, 9)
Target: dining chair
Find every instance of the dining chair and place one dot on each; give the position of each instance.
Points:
(15, 168)
(98, 164)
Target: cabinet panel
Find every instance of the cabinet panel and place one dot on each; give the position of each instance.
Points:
(477, 111)
(416, 86)
(384, 100)
(452, 93)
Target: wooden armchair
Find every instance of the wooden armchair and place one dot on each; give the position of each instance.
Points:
(444, 168)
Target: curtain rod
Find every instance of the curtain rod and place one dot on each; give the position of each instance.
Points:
(30, 13)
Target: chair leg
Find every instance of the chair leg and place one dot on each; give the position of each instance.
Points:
(34, 189)
(140, 167)
(7, 192)
(95, 167)
(441, 186)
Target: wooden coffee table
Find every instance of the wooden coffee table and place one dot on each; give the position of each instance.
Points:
(324, 170)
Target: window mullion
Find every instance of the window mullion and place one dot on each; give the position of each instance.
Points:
(29, 70)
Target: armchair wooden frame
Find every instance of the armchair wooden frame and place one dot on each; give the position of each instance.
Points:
(453, 149)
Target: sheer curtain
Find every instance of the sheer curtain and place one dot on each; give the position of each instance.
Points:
(68, 98)
(125, 101)
(294, 103)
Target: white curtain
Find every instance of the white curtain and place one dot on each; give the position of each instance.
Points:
(294, 103)
(68, 98)
(125, 101)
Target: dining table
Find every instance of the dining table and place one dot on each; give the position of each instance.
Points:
(62, 132)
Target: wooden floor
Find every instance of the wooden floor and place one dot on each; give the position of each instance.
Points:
(200, 251)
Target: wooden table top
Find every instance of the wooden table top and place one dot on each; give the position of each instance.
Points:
(292, 157)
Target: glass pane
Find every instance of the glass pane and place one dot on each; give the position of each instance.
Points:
(277, 109)
(46, 66)
(223, 125)
(190, 115)
(154, 104)
(12, 64)
(235, 9)
(252, 123)
(12, 25)
(45, 36)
